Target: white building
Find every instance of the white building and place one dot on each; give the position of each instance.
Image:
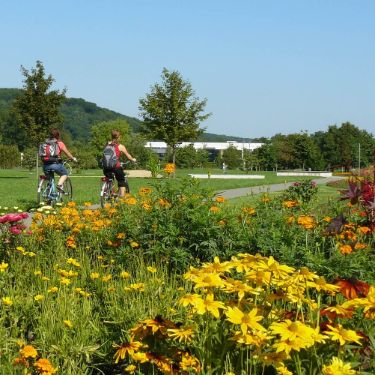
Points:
(214, 148)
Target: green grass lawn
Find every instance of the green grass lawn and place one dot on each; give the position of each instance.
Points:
(18, 186)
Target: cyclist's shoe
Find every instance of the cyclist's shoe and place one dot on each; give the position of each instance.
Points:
(61, 190)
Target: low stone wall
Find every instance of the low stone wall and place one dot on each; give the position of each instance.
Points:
(309, 173)
(228, 176)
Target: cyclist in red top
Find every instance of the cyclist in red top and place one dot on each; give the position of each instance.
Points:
(117, 170)
(55, 165)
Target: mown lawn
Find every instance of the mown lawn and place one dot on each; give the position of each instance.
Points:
(18, 186)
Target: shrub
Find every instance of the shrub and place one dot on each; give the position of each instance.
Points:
(10, 157)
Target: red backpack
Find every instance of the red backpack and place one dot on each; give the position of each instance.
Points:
(49, 150)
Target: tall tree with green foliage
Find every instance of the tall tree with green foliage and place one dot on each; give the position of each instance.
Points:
(171, 112)
(101, 134)
(37, 108)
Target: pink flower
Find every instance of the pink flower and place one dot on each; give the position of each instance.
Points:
(14, 230)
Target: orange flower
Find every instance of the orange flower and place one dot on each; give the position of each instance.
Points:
(169, 168)
(43, 366)
(364, 230)
(360, 246)
(248, 210)
(307, 222)
(220, 199)
(353, 288)
(345, 249)
(214, 209)
(290, 204)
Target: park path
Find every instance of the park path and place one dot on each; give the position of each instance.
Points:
(235, 193)
(243, 192)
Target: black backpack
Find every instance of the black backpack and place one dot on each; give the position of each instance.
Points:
(110, 159)
(49, 150)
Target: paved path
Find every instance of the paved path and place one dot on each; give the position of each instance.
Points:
(243, 192)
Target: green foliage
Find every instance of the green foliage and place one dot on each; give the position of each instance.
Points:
(37, 108)
(101, 134)
(136, 148)
(302, 192)
(171, 112)
(29, 158)
(153, 165)
(10, 157)
(189, 157)
(231, 157)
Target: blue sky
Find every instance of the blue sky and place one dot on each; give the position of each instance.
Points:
(265, 67)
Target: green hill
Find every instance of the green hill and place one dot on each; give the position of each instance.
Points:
(79, 116)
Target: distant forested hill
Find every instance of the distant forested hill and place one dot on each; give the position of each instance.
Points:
(80, 115)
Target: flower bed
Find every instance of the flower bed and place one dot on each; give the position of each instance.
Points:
(172, 280)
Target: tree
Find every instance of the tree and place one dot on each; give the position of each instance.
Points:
(101, 134)
(231, 157)
(37, 107)
(171, 112)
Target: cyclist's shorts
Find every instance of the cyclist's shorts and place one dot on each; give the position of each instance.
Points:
(55, 167)
(119, 174)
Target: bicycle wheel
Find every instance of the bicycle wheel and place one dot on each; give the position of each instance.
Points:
(44, 191)
(127, 188)
(68, 168)
(68, 192)
(105, 193)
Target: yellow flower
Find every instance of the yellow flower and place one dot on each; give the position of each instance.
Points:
(342, 335)
(130, 369)
(68, 324)
(139, 357)
(38, 297)
(189, 363)
(106, 278)
(134, 244)
(94, 275)
(137, 286)
(7, 301)
(20, 249)
(125, 275)
(294, 335)
(181, 334)
(338, 367)
(151, 269)
(73, 262)
(53, 289)
(206, 280)
(282, 370)
(126, 348)
(245, 320)
(3, 266)
(65, 281)
(120, 235)
(28, 351)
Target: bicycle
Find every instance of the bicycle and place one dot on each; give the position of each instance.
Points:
(107, 191)
(47, 189)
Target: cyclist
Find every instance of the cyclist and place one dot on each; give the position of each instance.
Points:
(117, 169)
(53, 162)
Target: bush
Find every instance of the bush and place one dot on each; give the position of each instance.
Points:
(10, 157)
